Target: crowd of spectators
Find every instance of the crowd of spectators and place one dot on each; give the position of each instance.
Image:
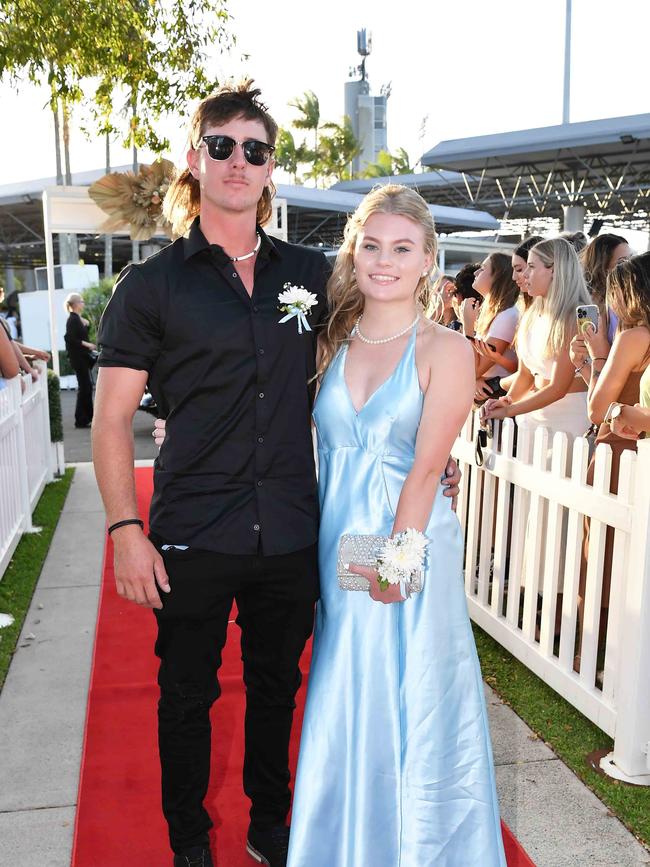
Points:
(537, 363)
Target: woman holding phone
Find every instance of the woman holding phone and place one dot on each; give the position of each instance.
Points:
(614, 380)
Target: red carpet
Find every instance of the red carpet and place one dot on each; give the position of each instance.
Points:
(118, 818)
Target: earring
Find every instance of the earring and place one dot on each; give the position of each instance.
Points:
(424, 273)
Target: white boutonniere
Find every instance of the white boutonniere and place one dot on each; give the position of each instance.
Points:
(296, 301)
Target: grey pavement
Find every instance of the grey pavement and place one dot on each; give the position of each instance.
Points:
(43, 706)
(77, 442)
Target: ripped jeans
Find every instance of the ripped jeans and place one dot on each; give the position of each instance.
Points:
(275, 598)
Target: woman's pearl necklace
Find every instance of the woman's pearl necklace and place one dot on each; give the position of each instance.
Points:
(248, 255)
(357, 331)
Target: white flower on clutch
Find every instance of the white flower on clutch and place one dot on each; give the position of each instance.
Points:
(296, 302)
(401, 556)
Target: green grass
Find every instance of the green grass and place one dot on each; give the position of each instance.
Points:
(567, 732)
(19, 580)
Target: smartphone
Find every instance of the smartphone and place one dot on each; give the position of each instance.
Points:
(587, 314)
(491, 345)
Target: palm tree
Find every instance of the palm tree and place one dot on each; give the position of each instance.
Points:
(388, 164)
(336, 152)
(309, 107)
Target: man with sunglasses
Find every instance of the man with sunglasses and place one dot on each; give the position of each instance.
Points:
(234, 516)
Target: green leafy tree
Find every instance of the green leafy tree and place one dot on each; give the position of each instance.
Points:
(288, 155)
(335, 152)
(388, 164)
(158, 66)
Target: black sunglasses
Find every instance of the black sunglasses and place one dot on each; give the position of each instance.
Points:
(220, 147)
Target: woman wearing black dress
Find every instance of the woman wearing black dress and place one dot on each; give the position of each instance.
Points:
(79, 351)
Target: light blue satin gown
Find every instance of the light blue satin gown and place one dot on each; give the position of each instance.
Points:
(395, 765)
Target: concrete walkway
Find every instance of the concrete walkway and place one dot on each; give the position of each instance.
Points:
(43, 707)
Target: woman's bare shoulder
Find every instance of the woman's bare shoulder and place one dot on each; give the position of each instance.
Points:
(634, 337)
(436, 341)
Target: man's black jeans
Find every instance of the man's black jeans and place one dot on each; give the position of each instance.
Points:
(275, 598)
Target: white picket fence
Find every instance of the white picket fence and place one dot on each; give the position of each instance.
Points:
(27, 457)
(523, 517)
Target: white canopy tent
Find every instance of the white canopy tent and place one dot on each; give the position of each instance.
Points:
(71, 210)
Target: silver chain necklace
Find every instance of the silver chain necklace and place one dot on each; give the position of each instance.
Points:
(357, 331)
(248, 255)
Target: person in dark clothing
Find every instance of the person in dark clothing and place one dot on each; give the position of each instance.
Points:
(79, 350)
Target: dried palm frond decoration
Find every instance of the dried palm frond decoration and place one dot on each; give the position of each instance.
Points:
(135, 200)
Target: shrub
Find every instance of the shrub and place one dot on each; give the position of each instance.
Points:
(54, 399)
(96, 298)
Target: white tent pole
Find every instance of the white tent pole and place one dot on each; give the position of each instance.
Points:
(49, 261)
(567, 64)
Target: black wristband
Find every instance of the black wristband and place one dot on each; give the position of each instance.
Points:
(125, 523)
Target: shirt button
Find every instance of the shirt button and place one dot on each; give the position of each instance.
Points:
(256, 527)
(235, 274)
(260, 483)
(255, 309)
(260, 352)
(261, 394)
(260, 439)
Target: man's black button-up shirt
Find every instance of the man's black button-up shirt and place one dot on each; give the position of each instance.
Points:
(236, 471)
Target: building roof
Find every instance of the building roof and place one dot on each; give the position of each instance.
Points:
(603, 165)
(315, 217)
(344, 200)
(618, 139)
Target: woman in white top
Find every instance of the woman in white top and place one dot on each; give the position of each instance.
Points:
(493, 330)
(546, 391)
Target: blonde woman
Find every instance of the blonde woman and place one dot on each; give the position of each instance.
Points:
(441, 306)
(395, 764)
(546, 391)
(79, 350)
(496, 324)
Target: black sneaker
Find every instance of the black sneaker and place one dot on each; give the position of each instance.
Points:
(269, 847)
(195, 857)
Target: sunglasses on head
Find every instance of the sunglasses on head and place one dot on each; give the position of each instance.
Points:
(220, 147)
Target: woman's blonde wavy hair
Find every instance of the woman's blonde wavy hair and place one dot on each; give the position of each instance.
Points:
(183, 200)
(567, 290)
(345, 299)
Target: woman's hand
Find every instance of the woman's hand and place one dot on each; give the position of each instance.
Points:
(578, 352)
(483, 348)
(496, 408)
(468, 314)
(596, 341)
(392, 594)
(483, 390)
(626, 427)
(451, 481)
(159, 431)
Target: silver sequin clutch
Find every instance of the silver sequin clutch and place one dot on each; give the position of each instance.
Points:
(364, 551)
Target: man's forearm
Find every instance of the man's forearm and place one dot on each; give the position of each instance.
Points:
(113, 459)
